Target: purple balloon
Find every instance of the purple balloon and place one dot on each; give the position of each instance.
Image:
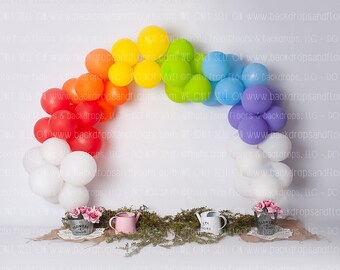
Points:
(277, 96)
(256, 99)
(236, 115)
(253, 130)
(275, 117)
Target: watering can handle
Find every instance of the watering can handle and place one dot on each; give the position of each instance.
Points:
(137, 216)
(110, 224)
(225, 221)
(198, 217)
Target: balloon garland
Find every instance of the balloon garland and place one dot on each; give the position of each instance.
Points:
(61, 167)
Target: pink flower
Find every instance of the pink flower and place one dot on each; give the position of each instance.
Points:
(75, 213)
(92, 214)
(267, 203)
(82, 209)
(258, 208)
(260, 205)
(100, 209)
(271, 210)
(278, 210)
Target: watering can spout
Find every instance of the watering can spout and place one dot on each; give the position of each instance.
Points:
(198, 217)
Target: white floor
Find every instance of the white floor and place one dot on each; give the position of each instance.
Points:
(16, 252)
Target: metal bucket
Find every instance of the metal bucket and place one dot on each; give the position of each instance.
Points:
(265, 224)
(80, 226)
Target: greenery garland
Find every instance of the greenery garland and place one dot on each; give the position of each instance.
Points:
(170, 231)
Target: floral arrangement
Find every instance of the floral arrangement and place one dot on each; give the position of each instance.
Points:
(267, 206)
(91, 214)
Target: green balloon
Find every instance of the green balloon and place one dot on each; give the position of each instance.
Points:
(181, 47)
(196, 63)
(175, 93)
(198, 89)
(175, 72)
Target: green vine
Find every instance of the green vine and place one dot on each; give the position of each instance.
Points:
(170, 231)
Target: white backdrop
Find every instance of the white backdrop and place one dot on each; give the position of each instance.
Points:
(159, 153)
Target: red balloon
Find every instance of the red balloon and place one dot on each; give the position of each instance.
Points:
(41, 130)
(72, 108)
(63, 124)
(53, 100)
(88, 113)
(87, 140)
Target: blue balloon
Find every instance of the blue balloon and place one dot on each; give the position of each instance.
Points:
(212, 101)
(255, 74)
(215, 66)
(236, 64)
(229, 91)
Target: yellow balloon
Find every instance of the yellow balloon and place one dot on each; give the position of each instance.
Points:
(147, 74)
(120, 74)
(153, 42)
(126, 51)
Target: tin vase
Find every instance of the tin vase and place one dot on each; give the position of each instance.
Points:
(80, 226)
(265, 224)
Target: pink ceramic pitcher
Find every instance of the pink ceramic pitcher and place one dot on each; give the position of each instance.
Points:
(124, 222)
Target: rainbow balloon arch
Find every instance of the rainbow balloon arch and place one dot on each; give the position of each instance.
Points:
(61, 167)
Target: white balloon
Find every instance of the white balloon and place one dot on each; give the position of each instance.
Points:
(277, 146)
(236, 145)
(54, 150)
(266, 188)
(46, 181)
(78, 168)
(252, 162)
(242, 185)
(53, 200)
(71, 196)
(282, 172)
(33, 159)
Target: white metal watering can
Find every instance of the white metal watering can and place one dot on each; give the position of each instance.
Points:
(211, 222)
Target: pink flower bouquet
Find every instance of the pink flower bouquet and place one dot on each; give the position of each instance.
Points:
(267, 206)
(91, 214)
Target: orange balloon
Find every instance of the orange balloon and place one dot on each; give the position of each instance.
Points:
(89, 86)
(116, 95)
(107, 109)
(98, 62)
(70, 90)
